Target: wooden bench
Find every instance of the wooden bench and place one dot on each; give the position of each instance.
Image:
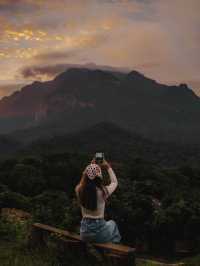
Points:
(109, 252)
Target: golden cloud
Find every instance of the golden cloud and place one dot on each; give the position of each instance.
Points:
(160, 38)
(26, 34)
(81, 40)
(18, 53)
(4, 55)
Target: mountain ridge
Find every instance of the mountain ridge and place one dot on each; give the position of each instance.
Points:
(117, 143)
(81, 96)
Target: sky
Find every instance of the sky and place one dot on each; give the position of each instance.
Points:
(40, 38)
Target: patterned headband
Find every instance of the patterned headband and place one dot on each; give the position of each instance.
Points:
(93, 170)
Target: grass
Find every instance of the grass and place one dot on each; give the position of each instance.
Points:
(15, 252)
(190, 261)
(194, 261)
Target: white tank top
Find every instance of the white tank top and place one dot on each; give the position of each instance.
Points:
(99, 212)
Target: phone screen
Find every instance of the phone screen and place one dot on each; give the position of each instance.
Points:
(99, 155)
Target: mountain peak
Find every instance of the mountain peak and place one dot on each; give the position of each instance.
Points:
(135, 75)
(183, 91)
(85, 73)
(37, 82)
(82, 96)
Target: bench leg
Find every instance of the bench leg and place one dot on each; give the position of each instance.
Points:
(131, 259)
(36, 238)
(94, 254)
(69, 251)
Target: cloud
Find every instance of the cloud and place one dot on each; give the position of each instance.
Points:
(182, 21)
(164, 33)
(55, 55)
(25, 34)
(62, 47)
(17, 6)
(47, 72)
(17, 53)
(42, 72)
(160, 38)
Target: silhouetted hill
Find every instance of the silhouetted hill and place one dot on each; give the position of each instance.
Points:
(78, 98)
(118, 144)
(8, 145)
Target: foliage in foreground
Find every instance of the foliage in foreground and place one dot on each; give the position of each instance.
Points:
(15, 255)
(45, 186)
(14, 250)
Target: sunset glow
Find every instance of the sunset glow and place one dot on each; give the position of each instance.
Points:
(157, 37)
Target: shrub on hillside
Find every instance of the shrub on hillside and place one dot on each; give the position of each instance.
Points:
(10, 199)
(50, 207)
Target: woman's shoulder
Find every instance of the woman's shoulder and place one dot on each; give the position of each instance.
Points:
(77, 189)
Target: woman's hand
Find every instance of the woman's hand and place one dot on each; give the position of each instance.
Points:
(105, 164)
(93, 160)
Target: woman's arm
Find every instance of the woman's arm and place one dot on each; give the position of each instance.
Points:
(77, 191)
(113, 180)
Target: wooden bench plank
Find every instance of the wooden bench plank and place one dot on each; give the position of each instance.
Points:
(115, 247)
(57, 231)
(123, 249)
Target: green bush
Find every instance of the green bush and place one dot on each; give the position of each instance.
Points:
(3, 188)
(26, 179)
(50, 207)
(13, 231)
(10, 199)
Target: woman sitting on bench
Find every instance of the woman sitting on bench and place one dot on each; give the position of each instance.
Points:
(92, 195)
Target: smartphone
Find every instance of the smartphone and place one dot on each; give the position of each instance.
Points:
(99, 157)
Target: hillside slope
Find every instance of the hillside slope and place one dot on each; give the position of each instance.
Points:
(79, 98)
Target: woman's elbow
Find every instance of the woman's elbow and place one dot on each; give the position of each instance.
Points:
(76, 189)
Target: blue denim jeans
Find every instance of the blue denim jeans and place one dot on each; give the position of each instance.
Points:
(99, 230)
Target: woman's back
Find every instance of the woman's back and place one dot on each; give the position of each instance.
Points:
(99, 212)
(93, 226)
(101, 197)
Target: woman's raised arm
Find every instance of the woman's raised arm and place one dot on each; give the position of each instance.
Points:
(113, 179)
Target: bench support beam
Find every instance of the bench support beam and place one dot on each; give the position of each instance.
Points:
(107, 254)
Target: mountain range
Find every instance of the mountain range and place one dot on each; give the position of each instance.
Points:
(79, 98)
